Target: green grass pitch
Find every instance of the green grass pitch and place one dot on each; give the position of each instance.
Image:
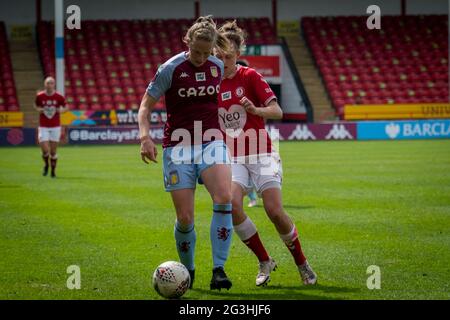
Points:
(356, 204)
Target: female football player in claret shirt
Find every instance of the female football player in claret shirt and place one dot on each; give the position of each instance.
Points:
(190, 82)
(50, 104)
(245, 101)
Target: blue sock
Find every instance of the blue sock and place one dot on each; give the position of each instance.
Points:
(252, 195)
(185, 239)
(220, 233)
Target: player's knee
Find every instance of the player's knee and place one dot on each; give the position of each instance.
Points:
(237, 209)
(275, 212)
(185, 218)
(222, 197)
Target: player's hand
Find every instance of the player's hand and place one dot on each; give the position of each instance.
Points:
(148, 150)
(249, 106)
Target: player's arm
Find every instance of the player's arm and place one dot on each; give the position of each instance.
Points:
(37, 108)
(156, 89)
(271, 111)
(64, 108)
(148, 148)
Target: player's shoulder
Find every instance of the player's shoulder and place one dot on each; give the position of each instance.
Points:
(173, 62)
(215, 60)
(59, 95)
(40, 93)
(248, 71)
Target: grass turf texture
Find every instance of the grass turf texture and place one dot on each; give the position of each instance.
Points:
(356, 204)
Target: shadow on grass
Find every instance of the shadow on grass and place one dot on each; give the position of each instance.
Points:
(290, 206)
(75, 178)
(285, 206)
(9, 186)
(317, 287)
(278, 292)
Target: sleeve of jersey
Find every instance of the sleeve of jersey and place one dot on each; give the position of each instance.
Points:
(160, 82)
(261, 88)
(222, 68)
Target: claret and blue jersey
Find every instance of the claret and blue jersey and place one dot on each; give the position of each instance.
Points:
(191, 94)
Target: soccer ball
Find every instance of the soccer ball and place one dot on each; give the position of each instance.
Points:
(171, 279)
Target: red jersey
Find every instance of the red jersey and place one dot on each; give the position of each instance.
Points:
(245, 132)
(50, 118)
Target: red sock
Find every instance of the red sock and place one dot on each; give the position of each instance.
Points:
(293, 244)
(255, 244)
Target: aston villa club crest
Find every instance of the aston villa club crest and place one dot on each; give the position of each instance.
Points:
(214, 72)
(173, 178)
(185, 246)
(223, 233)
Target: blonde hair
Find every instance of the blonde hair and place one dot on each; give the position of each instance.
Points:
(204, 28)
(49, 78)
(234, 34)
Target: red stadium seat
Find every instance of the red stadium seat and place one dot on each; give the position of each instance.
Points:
(8, 95)
(106, 55)
(405, 62)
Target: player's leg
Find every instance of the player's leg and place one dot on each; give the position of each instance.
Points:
(253, 198)
(180, 181)
(43, 137)
(54, 136)
(53, 157)
(287, 231)
(184, 231)
(267, 176)
(217, 180)
(45, 148)
(244, 226)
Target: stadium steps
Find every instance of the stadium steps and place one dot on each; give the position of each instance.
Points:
(322, 107)
(28, 77)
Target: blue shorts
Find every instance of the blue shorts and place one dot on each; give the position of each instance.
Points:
(183, 165)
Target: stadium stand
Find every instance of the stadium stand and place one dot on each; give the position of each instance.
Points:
(404, 62)
(8, 94)
(109, 63)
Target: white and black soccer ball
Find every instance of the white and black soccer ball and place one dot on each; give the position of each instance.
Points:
(171, 279)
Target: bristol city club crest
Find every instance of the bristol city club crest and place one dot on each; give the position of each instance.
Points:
(214, 72)
(239, 92)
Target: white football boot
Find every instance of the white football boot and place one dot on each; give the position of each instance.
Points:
(309, 277)
(265, 268)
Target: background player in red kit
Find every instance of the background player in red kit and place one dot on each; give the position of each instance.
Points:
(190, 82)
(245, 100)
(50, 105)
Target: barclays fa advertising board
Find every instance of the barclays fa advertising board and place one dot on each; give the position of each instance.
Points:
(396, 130)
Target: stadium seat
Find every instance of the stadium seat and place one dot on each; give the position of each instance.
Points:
(8, 94)
(405, 62)
(105, 58)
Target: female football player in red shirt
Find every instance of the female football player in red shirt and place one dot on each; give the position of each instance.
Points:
(190, 82)
(245, 101)
(50, 104)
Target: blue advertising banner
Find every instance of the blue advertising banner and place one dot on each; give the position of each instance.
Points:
(111, 135)
(17, 136)
(396, 130)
